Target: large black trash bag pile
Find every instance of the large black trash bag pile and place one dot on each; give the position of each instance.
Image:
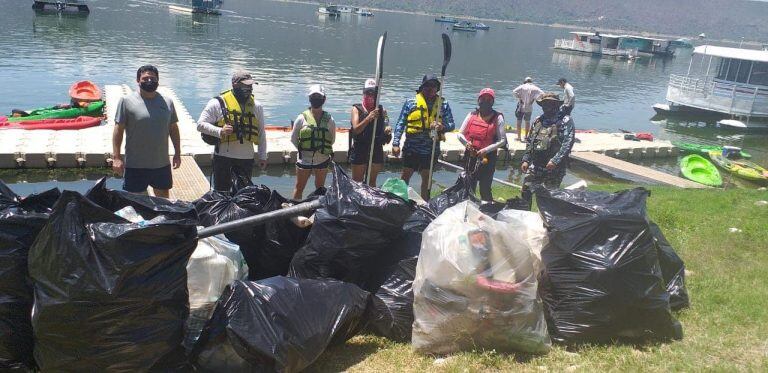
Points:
(267, 248)
(602, 280)
(279, 324)
(20, 221)
(111, 295)
(672, 270)
(354, 233)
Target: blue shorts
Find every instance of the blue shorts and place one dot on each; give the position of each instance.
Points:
(136, 180)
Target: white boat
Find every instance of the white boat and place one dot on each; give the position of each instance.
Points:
(330, 11)
(363, 12)
(595, 43)
(730, 81)
(344, 9)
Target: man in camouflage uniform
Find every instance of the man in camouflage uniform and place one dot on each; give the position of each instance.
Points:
(548, 145)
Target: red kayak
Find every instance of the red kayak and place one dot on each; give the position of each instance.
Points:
(84, 91)
(52, 124)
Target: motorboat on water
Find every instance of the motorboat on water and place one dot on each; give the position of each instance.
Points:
(61, 6)
(732, 82)
(595, 43)
(330, 11)
(446, 19)
(464, 26)
(363, 12)
(482, 26)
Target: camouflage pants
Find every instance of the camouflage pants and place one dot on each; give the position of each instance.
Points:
(542, 178)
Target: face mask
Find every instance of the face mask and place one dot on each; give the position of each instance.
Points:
(369, 102)
(485, 106)
(148, 86)
(316, 102)
(242, 94)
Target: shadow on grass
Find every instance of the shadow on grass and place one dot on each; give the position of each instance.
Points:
(344, 356)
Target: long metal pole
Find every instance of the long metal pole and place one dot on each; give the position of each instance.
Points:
(507, 183)
(287, 212)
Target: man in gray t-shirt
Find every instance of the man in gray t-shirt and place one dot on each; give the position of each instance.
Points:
(148, 119)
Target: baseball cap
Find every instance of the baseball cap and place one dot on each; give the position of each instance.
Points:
(487, 91)
(242, 77)
(528, 79)
(316, 89)
(370, 83)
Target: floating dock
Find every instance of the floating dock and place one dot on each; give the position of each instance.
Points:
(60, 6)
(92, 147)
(638, 171)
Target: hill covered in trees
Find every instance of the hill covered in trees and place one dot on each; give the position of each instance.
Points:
(721, 19)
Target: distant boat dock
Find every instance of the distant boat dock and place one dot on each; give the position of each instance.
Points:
(92, 147)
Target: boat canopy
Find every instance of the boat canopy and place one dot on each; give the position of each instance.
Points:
(735, 53)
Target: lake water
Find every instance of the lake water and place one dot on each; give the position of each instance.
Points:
(288, 46)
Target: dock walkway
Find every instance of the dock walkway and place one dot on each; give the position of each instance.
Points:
(633, 169)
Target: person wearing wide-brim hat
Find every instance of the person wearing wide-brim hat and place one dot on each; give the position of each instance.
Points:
(418, 118)
(548, 147)
(482, 134)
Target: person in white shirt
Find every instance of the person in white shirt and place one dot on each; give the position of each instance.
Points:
(313, 135)
(526, 94)
(569, 98)
(234, 123)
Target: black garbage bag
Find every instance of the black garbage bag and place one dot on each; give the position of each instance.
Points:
(267, 248)
(672, 270)
(111, 295)
(20, 221)
(279, 324)
(601, 280)
(391, 315)
(354, 233)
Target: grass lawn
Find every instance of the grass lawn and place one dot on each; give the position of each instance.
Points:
(726, 327)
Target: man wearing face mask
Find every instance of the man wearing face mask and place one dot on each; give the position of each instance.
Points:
(482, 133)
(313, 135)
(548, 146)
(147, 118)
(237, 120)
(362, 119)
(418, 118)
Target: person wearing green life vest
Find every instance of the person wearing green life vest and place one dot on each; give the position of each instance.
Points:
(313, 135)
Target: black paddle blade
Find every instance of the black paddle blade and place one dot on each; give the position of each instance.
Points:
(446, 52)
(380, 57)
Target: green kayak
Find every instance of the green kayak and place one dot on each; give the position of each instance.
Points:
(94, 109)
(740, 167)
(697, 168)
(703, 149)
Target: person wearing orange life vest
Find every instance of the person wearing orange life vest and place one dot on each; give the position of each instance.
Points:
(482, 133)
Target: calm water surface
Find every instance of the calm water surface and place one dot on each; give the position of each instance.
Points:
(289, 46)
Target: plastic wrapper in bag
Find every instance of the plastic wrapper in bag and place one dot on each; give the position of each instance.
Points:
(20, 221)
(278, 324)
(111, 295)
(672, 270)
(267, 248)
(602, 280)
(214, 264)
(353, 233)
(476, 287)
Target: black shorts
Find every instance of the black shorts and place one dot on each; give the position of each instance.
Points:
(417, 161)
(136, 180)
(318, 166)
(359, 154)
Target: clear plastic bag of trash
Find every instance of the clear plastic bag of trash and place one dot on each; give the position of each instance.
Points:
(476, 287)
(215, 263)
(110, 294)
(602, 280)
(279, 324)
(21, 219)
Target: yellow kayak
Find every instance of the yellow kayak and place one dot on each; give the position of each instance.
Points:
(740, 167)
